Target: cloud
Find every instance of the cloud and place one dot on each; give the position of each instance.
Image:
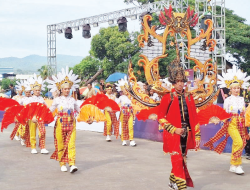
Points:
(25, 23)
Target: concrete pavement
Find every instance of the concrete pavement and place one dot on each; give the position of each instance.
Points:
(110, 166)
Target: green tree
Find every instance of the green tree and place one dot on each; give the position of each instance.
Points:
(6, 82)
(44, 71)
(87, 67)
(238, 39)
(114, 48)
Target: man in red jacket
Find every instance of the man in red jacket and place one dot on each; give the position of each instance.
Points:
(178, 117)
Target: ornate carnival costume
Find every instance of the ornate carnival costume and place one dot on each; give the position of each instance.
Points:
(126, 115)
(111, 124)
(65, 127)
(177, 111)
(23, 101)
(37, 85)
(234, 127)
(19, 133)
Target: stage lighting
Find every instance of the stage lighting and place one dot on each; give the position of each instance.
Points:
(133, 17)
(143, 14)
(95, 24)
(76, 28)
(59, 31)
(68, 33)
(86, 31)
(111, 22)
(122, 23)
(203, 25)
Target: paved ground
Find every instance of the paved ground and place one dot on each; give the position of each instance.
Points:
(109, 166)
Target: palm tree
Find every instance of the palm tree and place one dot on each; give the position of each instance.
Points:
(44, 71)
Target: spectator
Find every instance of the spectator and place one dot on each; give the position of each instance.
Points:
(223, 94)
(154, 95)
(76, 94)
(91, 91)
(102, 86)
(12, 90)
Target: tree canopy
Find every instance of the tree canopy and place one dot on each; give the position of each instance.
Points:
(6, 83)
(87, 67)
(44, 71)
(114, 48)
(110, 50)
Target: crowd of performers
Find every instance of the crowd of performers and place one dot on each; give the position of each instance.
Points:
(177, 116)
(65, 111)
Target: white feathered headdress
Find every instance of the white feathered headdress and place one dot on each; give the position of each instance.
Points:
(20, 85)
(36, 82)
(62, 78)
(233, 76)
(120, 86)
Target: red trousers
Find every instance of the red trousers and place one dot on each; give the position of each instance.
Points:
(179, 173)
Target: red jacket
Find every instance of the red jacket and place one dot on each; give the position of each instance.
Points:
(170, 114)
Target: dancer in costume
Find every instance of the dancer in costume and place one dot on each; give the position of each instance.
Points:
(111, 123)
(65, 127)
(126, 115)
(235, 127)
(20, 87)
(37, 85)
(177, 115)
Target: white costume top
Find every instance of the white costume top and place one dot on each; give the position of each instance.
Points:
(234, 103)
(123, 100)
(155, 97)
(17, 98)
(38, 99)
(24, 101)
(110, 96)
(63, 104)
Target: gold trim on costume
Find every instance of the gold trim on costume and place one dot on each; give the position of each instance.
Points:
(161, 121)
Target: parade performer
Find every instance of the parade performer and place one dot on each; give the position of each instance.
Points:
(111, 122)
(126, 115)
(235, 127)
(20, 87)
(177, 115)
(37, 85)
(65, 127)
(179, 123)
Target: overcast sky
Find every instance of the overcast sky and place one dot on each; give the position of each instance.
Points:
(23, 23)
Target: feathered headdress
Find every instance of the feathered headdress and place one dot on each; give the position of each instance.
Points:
(233, 76)
(36, 82)
(120, 86)
(176, 71)
(20, 85)
(63, 78)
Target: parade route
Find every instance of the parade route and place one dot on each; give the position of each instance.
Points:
(110, 166)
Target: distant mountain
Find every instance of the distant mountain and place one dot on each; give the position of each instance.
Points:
(32, 63)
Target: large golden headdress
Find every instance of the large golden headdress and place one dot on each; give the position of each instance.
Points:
(176, 72)
(36, 82)
(233, 77)
(64, 79)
